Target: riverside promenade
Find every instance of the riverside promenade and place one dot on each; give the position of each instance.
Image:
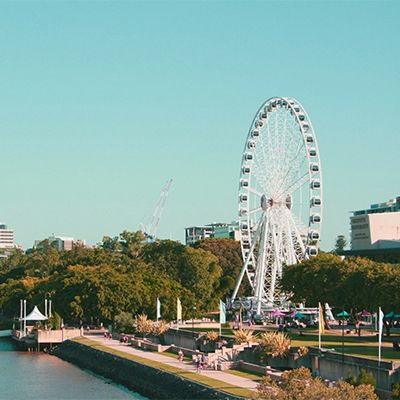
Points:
(222, 377)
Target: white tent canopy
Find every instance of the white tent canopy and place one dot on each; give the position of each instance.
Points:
(35, 315)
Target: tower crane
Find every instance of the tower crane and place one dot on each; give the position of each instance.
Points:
(150, 229)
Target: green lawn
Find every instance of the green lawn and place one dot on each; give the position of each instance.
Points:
(219, 385)
(366, 346)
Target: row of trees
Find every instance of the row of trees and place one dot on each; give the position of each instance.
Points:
(352, 283)
(123, 273)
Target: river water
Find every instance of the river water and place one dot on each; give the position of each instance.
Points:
(41, 376)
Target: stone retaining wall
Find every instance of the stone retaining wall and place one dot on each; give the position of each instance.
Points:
(149, 381)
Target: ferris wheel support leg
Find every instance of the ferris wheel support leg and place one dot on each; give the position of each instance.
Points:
(274, 267)
(260, 271)
(292, 253)
(244, 268)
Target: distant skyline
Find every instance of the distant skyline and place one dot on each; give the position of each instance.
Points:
(102, 102)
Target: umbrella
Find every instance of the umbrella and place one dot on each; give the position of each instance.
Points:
(343, 314)
(277, 314)
(390, 315)
(365, 313)
(397, 315)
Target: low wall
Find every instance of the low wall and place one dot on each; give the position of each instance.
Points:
(258, 369)
(334, 366)
(56, 336)
(179, 338)
(149, 381)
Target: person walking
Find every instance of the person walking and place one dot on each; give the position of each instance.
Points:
(180, 355)
(198, 363)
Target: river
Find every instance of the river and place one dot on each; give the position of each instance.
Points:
(41, 376)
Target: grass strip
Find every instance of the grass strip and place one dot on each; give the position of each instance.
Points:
(244, 374)
(205, 380)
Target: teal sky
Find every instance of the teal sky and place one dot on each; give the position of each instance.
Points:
(102, 102)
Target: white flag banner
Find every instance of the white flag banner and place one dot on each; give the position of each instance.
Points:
(178, 310)
(380, 327)
(222, 312)
(158, 309)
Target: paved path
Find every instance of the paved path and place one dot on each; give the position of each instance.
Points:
(188, 366)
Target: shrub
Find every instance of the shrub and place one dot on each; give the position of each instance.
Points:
(274, 344)
(160, 327)
(244, 336)
(144, 325)
(396, 391)
(302, 351)
(212, 336)
(55, 321)
(124, 322)
(364, 378)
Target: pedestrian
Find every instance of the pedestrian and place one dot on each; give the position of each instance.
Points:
(204, 360)
(180, 355)
(198, 363)
(358, 328)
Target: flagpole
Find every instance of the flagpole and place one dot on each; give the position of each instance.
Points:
(222, 316)
(380, 335)
(319, 326)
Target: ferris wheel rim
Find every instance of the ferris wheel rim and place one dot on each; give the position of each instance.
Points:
(306, 130)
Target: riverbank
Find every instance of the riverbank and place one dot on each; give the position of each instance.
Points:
(151, 374)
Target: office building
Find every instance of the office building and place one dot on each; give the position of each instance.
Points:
(194, 234)
(6, 237)
(377, 227)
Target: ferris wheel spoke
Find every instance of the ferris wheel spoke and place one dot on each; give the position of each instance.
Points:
(291, 176)
(254, 191)
(259, 179)
(296, 185)
(254, 211)
(289, 165)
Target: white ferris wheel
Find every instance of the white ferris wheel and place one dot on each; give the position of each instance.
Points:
(280, 198)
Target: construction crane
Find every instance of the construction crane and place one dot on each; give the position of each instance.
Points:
(150, 229)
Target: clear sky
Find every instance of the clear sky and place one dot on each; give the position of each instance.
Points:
(101, 103)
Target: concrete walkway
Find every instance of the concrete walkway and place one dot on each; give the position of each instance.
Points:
(188, 366)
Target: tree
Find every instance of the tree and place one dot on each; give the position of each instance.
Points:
(340, 244)
(230, 260)
(353, 283)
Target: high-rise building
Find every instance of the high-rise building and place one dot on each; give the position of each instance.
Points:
(194, 234)
(377, 227)
(6, 237)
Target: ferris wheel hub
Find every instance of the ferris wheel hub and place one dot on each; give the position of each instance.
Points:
(265, 203)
